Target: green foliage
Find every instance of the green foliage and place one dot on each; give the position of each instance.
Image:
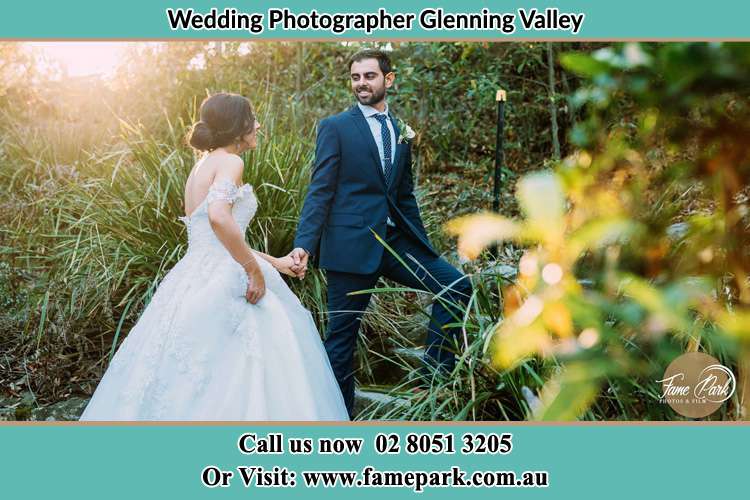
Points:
(445, 90)
(16, 69)
(645, 220)
(637, 244)
(92, 169)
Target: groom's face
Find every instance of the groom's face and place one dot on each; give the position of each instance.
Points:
(368, 81)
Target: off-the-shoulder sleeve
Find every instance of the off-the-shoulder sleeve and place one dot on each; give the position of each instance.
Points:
(222, 190)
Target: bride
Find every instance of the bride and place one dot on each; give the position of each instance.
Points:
(223, 337)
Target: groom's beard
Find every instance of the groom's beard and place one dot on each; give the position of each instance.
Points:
(375, 96)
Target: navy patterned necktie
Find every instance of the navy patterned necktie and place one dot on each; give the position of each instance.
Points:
(385, 134)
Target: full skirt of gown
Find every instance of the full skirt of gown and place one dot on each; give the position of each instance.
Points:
(201, 352)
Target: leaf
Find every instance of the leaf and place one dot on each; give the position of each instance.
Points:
(583, 64)
(599, 233)
(669, 306)
(569, 394)
(512, 343)
(635, 56)
(558, 319)
(541, 197)
(735, 323)
(476, 232)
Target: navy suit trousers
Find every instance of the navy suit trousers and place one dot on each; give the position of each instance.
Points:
(425, 272)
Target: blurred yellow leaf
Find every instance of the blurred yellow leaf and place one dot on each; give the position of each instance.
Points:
(569, 394)
(542, 200)
(513, 342)
(735, 323)
(512, 299)
(477, 231)
(653, 300)
(557, 318)
(599, 233)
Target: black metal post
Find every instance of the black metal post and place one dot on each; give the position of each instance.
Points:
(500, 97)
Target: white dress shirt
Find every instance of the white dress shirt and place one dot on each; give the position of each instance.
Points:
(374, 124)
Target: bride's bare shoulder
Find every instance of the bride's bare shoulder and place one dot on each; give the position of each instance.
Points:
(228, 165)
(212, 167)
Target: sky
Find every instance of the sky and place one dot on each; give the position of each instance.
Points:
(83, 58)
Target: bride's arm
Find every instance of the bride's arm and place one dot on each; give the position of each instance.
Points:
(269, 258)
(282, 264)
(231, 236)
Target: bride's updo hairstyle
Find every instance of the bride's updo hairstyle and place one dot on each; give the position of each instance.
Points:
(224, 119)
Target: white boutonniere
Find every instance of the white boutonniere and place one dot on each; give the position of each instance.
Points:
(407, 133)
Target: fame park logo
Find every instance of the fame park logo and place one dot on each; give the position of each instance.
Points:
(695, 385)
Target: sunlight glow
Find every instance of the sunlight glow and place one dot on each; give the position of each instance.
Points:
(81, 58)
(552, 273)
(588, 338)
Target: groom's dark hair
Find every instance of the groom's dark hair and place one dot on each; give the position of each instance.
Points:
(383, 60)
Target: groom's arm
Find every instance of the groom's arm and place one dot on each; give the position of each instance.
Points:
(322, 188)
(406, 200)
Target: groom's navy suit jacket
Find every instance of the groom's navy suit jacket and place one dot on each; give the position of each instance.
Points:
(349, 197)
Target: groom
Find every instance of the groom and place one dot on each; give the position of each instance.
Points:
(362, 184)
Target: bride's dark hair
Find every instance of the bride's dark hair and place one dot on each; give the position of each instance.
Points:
(224, 119)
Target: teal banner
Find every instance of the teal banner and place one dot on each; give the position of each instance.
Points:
(388, 20)
(369, 461)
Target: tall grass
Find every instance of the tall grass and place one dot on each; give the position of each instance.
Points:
(478, 389)
(99, 235)
(95, 238)
(475, 389)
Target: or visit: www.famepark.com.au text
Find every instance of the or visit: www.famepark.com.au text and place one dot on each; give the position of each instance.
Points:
(417, 480)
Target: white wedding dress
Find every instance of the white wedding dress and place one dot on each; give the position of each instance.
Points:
(201, 352)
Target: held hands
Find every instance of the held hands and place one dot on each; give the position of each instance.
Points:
(293, 264)
(285, 265)
(299, 258)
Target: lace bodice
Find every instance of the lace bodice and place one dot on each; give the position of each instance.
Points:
(201, 236)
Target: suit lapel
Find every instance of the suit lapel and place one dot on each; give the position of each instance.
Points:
(364, 128)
